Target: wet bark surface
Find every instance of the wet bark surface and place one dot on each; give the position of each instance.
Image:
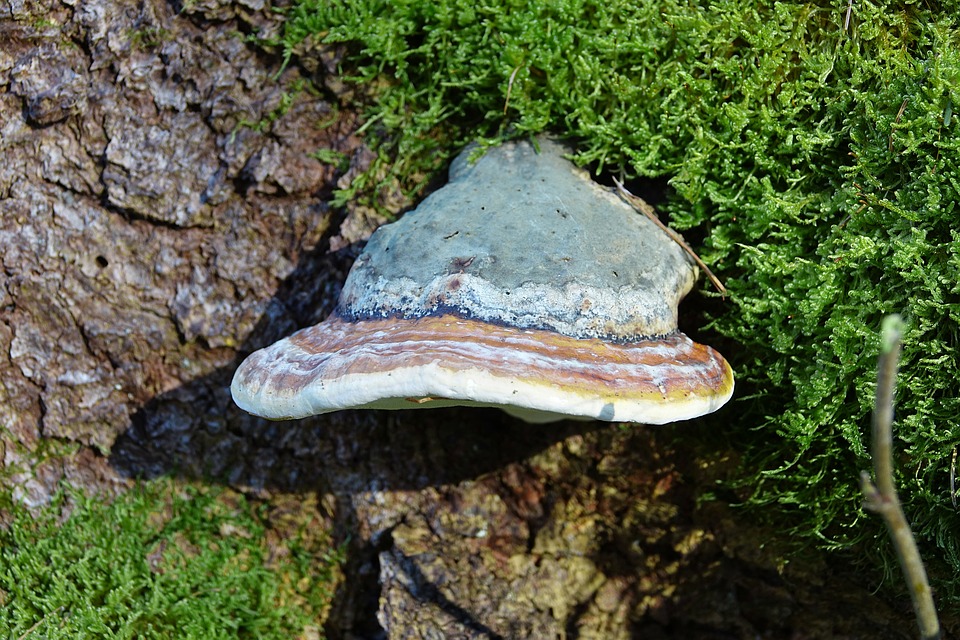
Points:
(162, 215)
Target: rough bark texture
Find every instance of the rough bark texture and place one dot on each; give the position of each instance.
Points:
(161, 216)
(152, 204)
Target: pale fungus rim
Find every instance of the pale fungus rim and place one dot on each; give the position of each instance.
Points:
(439, 361)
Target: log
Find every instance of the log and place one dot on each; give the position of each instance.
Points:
(161, 216)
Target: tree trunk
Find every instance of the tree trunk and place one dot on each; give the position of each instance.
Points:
(161, 216)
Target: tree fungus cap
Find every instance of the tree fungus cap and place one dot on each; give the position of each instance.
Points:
(521, 284)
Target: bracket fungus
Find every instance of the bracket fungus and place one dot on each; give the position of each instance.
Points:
(521, 284)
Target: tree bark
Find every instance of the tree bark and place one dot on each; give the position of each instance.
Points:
(161, 216)
(152, 203)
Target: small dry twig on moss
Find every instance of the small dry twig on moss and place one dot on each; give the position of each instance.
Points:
(513, 76)
(953, 478)
(644, 207)
(882, 496)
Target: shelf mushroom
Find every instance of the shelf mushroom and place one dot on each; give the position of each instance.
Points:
(521, 284)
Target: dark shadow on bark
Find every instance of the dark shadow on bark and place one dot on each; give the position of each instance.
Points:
(421, 589)
(346, 451)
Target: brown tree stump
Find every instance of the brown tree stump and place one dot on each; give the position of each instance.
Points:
(161, 216)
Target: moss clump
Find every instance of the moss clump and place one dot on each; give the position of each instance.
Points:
(161, 561)
(819, 160)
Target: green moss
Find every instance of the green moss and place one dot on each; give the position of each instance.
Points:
(819, 162)
(276, 111)
(147, 38)
(161, 561)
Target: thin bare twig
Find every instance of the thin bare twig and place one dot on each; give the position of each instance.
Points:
(953, 478)
(644, 207)
(39, 622)
(903, 107)
(882, 496)
(513, 76)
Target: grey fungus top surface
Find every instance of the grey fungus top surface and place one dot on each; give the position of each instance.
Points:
(524, 239)
(522, 285)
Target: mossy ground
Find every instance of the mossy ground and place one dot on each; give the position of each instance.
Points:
(812, 147)
(164, 560)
